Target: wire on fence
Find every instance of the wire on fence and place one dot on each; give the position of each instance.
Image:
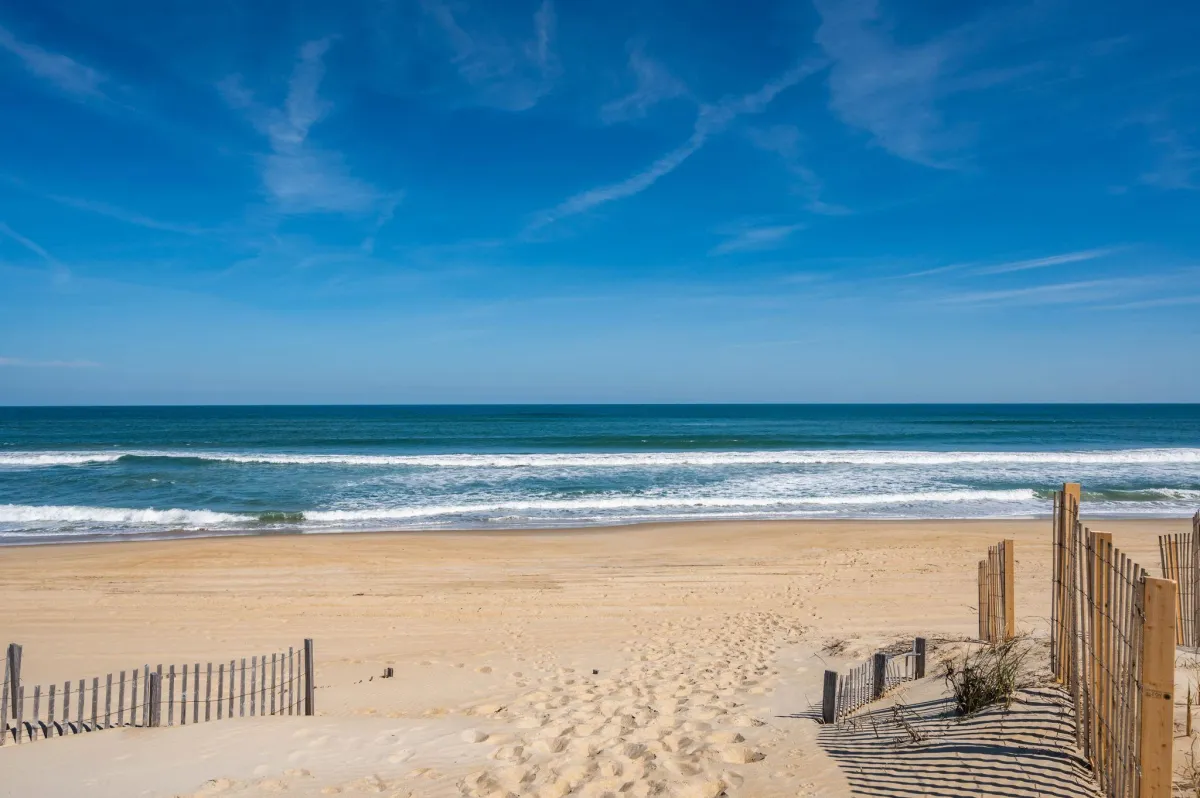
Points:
(997, 599)
(1112, 647)
(1179, 556)
(869, 681)
(280, 684)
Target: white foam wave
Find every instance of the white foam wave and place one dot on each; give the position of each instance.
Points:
(27, 514)
(638, 459)
(619, 503)
(27, 459)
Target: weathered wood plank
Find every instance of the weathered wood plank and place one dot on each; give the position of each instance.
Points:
(108, 701)
(309, 686)
(1158, 687)
(208, 693)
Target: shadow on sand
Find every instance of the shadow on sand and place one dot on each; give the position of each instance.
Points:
(924, 749)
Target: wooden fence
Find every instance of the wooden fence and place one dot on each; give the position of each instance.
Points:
(1113, 648)
(1179, 556)
(869, 681)
(275, 684)
(997, 596)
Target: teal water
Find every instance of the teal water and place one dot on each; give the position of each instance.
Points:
(100, 473)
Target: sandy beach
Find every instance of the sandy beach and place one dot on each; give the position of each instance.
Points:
(671, 659)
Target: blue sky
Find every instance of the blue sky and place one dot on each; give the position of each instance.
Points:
(460, 201)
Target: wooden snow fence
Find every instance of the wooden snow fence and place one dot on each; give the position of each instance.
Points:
(1113, 648)
(270, 684)
(997, 599)
(1179, 556)
(869, 681)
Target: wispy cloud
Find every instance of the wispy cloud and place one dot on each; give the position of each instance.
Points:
(298, 176)
(505, 75)
(1041, 263)
(711, 120)
(1159, 302)
(1178, 160)
(58, 364)
(61, 272)
(893, 91)
(951, 267)
(654, 84)
(1077, 292)
(67, 74)
(784, 141)
(755, 238)
(104, 209)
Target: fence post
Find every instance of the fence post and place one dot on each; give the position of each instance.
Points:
(829, 697)
(919, 665)
(880, 675)
(14, 675)
(1010, 598)
(983, 600)
(309, 687)
(1158, 686)
(155, 698)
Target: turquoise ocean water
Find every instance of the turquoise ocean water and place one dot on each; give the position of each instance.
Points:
(105, 473)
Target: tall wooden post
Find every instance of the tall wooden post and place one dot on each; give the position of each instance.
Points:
(1101, 554)
(919, 664)
(1010, 596)
(309, 686)
(983, 600)
(1158, 686)
(13, 655)
(154, 697)
(878, 682)
(829, 697)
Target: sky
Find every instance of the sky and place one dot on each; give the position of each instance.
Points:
(461, 201)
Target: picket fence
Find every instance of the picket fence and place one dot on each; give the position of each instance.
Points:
(1113, 648)
(1179, 556)
(869, 681)
(277, 684)
(997, 594)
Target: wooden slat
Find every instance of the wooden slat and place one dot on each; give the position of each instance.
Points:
(196, 692)
(291, 689)
(183, 696)
(253, 684)
(171, 696)
(108, 680)
(208, 693)
(4, 690)
(310, 688)
(242, 692)
(274, 684)
(49, 714)
(121, 699)
(1158, 687)
(983, 601)
(220, 690)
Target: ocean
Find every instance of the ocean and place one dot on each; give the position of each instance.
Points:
(73, 474)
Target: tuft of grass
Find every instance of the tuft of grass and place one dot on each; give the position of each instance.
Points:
(987, 676)
(835, 646)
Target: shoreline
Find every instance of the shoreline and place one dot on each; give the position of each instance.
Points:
(606, 527)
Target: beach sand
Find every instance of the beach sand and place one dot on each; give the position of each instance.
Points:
(667, 659)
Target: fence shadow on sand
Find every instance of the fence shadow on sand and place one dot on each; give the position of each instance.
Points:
(924, 749)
